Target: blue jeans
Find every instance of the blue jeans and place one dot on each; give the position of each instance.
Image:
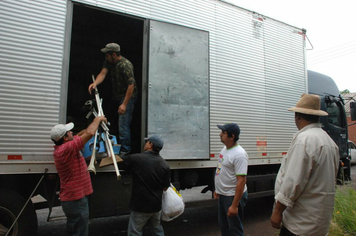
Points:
(139, 219)
(124, 125)
(77, 213)
(231, 226)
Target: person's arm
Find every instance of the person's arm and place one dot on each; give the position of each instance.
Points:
(81, 132)
(296, 177)
(233, 209)
(276, 217)
(167, 179)
(90, 131)
(128, 95)
(99, 79)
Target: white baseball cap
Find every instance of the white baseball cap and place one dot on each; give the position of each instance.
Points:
(58, 131)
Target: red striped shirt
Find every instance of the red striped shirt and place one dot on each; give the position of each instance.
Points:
(72, 170)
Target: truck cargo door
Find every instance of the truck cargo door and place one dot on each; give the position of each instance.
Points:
(178, 90)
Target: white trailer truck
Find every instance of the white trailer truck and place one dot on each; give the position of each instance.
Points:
(198, 63)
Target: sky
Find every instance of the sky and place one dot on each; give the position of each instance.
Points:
(331, 30)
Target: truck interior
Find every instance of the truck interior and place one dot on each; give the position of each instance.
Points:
(92, 29)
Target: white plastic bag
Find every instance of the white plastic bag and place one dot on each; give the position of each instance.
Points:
(172, 204)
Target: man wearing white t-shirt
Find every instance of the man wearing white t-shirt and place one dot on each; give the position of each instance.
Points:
(230, 181)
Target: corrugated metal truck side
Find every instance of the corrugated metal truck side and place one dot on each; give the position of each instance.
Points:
(197, 64)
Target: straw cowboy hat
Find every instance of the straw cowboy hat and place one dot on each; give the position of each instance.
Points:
(309, 104)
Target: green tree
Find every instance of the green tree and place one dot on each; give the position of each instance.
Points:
(346, 91)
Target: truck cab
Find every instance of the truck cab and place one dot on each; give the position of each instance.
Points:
(335, 124)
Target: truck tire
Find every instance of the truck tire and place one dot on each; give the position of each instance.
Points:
(347, 169)
(11, 204)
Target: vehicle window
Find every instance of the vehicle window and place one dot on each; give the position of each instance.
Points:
(352, 146)
(334, 116)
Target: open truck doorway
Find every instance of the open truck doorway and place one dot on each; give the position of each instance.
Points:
(92, 29)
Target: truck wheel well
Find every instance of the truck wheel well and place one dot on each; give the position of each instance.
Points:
(11, 204)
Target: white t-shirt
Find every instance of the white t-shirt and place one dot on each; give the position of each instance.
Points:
(232, 162)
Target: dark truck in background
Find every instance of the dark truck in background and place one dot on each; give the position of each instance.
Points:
(335, 124)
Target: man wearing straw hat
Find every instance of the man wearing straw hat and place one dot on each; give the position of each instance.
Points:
(305, 184)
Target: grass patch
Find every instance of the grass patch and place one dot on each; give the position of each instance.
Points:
(344, 216)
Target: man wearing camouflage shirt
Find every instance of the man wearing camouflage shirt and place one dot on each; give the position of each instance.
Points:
(124, 90)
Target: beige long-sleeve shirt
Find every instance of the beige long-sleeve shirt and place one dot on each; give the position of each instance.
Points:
(306, 182)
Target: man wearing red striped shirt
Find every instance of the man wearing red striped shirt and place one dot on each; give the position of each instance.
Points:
(74, 177)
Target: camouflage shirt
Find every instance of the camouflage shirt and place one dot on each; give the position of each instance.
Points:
(122, 75)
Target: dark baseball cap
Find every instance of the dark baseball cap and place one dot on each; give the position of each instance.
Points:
(231, 128)
(156, 140)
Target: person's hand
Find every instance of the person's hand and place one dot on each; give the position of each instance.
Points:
(232, 211)
(276, 220)
(91, 87)
(122, 109)
(102, 118)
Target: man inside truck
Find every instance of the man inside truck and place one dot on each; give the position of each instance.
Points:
(124, 90)
(75, 182)
(230, 181)
(305, 184)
